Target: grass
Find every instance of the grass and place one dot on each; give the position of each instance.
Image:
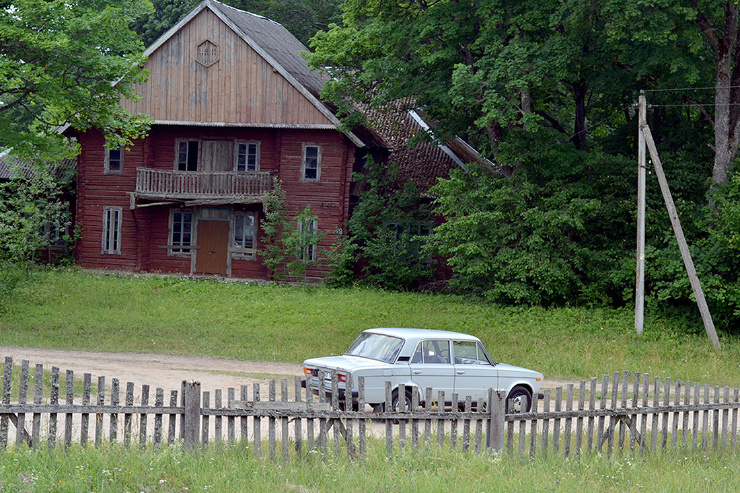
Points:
(113, 468)
(66, 309)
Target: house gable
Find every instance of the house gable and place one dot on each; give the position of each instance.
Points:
(207, 71)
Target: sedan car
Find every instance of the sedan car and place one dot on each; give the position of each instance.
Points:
(419, 358)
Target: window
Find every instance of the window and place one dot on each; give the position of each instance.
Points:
(247, 156)
(112, 230)
(113, 160)
(181, 233)
(411, 237)
(469, 353)
(55, 232)
(187, 155)
(311, 167)
(309, 235)
(243, 243)
(436, 351)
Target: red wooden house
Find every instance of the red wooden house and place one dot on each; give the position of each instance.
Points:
(234, 105)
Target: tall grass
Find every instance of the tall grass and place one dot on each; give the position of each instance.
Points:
(113, 469)
(68, 309)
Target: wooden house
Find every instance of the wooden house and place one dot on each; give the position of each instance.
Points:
(234, 105)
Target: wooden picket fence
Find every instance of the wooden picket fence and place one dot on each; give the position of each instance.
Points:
(629, 413)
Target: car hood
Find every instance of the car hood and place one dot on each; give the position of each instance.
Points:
(344, 362)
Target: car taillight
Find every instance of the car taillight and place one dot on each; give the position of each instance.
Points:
(341, 377)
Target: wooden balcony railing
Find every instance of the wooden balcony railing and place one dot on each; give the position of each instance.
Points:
(165, 184)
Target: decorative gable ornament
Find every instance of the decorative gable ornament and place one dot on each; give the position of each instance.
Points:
(207, 53)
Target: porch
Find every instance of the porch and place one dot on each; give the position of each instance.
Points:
(232, 187)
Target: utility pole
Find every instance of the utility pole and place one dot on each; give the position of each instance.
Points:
(647, 138)
(641, 172)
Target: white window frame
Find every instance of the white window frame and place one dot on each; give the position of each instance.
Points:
(186, 142)
(308, 253)
(242, 251)
(111, 241)
(304, 162)
(113, 171)
(176, 249)
(249, 144)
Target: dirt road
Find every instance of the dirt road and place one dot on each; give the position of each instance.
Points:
(157, 370)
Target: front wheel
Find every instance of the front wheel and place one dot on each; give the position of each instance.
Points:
(515, 400)
(396, 401)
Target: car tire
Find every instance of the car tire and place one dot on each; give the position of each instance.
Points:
(515, 400)
(395, 401)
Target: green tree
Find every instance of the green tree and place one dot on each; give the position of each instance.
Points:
(68, 63)
(166, 14)
(388, 230)
(30, 205)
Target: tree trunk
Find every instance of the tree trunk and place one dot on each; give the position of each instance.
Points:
(580, 91)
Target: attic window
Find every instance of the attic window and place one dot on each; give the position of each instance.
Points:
(207, 53)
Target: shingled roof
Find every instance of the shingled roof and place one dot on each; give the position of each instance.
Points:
(12, 168)
(395, 125)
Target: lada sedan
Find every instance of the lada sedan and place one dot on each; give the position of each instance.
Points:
(419, 358)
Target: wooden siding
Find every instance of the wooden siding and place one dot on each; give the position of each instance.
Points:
(145, 230)
(241, 88)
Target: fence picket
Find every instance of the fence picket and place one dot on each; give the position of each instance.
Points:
(579, 420)
(85, 419)
(666, 402)
(68, 416)
(7, 378)
(568, 421)
(644, 418)
(556, 423)
(257, 422)
(622, 427)
(53, 400)
(127, 425)
(545, 423)
(158, 402)
(675, 418)
(633, 419)
(99, 415)
(143, 416)
(20, 423)
(38, 387)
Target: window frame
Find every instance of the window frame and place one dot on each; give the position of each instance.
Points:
(249, 144)
(180, 249)
(243, 252)
(309, 252)
(108, 159)
(188, 154)
(304, 163)
(111, 235)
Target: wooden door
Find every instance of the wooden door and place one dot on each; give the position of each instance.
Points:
(213, 240)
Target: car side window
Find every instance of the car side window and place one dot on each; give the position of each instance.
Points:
(469, 353)
(435, 351)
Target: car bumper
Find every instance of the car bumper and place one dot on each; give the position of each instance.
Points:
(328, 393)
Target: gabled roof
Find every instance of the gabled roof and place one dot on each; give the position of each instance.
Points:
(273, 43)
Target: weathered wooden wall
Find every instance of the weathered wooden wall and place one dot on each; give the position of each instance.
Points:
(240, 88)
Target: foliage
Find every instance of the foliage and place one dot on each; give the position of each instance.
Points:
(285, 248)
(68, 63)
(301, 17)
(341, 260)
(386, 227)
(302, 244)
(30, 206)
(274, 227)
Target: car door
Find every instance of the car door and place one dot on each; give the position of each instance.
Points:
(431, 366)
(474, 373)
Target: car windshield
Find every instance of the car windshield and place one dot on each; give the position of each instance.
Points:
(376, 346)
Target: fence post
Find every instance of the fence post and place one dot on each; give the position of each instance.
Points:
(495, 425)
(191, 414)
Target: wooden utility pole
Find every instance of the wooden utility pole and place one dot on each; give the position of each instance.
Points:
(673, 215)
(641, 172)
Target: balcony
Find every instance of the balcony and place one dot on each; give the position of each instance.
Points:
(202, 187)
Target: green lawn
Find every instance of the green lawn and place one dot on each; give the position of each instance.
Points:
(67, 309)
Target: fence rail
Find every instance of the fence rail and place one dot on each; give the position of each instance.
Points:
(627, 412)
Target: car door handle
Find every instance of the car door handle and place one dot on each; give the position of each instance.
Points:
(416, 372)
(460, 372)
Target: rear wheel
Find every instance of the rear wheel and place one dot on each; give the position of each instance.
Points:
(515, 400)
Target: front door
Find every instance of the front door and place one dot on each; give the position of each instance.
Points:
(213, 240)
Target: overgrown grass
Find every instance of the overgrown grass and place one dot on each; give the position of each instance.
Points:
(113, 468)
(68, 309)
